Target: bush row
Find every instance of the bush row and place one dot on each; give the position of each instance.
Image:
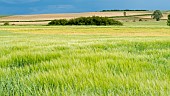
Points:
(95, 20)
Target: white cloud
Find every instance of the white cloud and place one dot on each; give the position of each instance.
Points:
(53, 9)
(18, 1)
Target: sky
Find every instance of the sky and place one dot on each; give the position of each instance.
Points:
(13, 7)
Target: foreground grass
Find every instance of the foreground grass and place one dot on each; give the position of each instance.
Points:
(84, 61)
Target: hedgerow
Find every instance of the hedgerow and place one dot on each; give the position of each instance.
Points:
(95, 20)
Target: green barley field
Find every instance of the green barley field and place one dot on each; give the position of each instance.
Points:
(85, 60)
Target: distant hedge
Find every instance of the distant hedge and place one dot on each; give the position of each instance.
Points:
(168, 21)
(95, 20)
(121, 10)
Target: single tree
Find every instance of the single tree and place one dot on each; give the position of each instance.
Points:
(157, 15)
(124, 13)
(168, 21)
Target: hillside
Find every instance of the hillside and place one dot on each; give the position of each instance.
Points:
(43, 19)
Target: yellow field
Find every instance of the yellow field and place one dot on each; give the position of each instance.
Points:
(91, 30)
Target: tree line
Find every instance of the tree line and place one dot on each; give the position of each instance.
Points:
(121, 10)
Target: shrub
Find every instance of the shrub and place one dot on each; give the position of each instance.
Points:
(140, 20)
(95, 20)
(168, 21)
(6, 23)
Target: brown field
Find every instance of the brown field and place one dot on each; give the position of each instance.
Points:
(65, 16)
(44, 19)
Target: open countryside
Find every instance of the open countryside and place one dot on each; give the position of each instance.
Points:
(39, 59)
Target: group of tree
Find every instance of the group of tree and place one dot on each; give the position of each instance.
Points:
(95, 20)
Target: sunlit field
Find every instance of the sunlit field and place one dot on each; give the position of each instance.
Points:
(85, 60)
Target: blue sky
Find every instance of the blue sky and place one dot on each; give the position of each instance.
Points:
(69, 6)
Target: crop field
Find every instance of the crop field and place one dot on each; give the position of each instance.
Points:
(85, 60)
